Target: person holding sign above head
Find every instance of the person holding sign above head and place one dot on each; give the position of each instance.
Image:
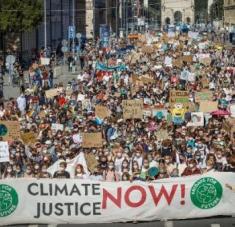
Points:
(62, 173)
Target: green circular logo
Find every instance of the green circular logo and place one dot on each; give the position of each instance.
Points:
(206, 193)
(3, 130)
(8, 200)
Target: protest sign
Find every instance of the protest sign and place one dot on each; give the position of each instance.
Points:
(28, 138)
(205, 61)
(193, 35)
(147, 49)
(205, 95)
(86, 104)
(90, 140)
(147, 112)
(187, 58)
(4, 152)
(53, 92)
(132, 109)
(208, 106)
(197, 119)
(57, 127)
(147, 80)
(168, 61)
(10, 130)
(205, 82)
(162, 134)
(171, 34)
(102, 111)
(177, 63)
(179, 97)
(159, 113)
(70, 201)
(45, 61)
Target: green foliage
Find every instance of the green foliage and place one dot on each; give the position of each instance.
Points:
(20, 15)
(217, 10)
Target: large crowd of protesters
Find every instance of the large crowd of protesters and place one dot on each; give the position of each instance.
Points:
(151, 148)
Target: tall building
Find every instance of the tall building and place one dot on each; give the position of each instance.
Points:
(229, 13)
(177, 11)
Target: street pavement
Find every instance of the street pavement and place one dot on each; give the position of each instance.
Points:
(207, 222)
(14, 91)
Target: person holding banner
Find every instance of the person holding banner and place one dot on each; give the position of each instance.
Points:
(62, 173)
(191, 169)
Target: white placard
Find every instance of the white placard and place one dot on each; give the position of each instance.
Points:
(57, 127)
(4, 152)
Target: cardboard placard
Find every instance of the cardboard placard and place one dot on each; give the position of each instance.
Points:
(179, 97)
(208, 106)
(132, 109)
(102, 111)
(10, 130)
(205, 82)
(53, 92)
(204, 96)
(147, 80)
(147, 49)
(206, 61)
(90, 140)
(28, 138)
(187, 58)
(177, 63)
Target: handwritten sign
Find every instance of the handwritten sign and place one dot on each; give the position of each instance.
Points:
(53, 92)
(177, 63)
(203, 96)
(132, 109)
(187, 58)
(208, 106)
(102, 111)
(147, 80)
(90, 140)
(10, 130)
(28, 138)
(179, 97)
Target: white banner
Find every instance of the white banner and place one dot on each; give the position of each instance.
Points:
(4, 152)
(60, 201)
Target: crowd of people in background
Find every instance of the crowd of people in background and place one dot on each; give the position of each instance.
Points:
(151, 148)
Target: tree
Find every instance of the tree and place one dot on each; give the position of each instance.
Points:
(16, 17)
(217, 10)
(19, 15)
(200, 9)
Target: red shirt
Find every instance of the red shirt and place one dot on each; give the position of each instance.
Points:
(189, 172)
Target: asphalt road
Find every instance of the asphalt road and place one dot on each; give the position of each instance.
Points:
(207, 222)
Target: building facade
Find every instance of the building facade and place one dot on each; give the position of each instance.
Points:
(174, 12)
(229, 13)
